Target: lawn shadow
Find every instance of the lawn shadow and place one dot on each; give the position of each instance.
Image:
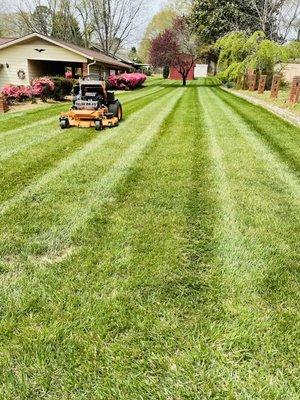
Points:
(203, 82)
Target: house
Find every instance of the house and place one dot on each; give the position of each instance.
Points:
(291, 70)
(36, 55)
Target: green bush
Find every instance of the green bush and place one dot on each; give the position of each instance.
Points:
(62, 87)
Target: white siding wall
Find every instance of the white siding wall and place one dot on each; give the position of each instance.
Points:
(201, 70)
(16, 57)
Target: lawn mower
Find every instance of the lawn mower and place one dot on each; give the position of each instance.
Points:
(93, 106)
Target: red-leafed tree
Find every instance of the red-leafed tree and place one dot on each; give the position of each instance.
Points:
(175, 47)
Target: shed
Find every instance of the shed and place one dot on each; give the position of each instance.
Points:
(201, 70)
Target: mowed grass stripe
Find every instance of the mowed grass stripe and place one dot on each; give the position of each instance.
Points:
(154, 293)
(11, 145)
(6, 130)
(133, 304)
(42, 157)
(279, 135)
(118, 140)
(212, 126)
(272, 160)
(267, 223)
(15, 121)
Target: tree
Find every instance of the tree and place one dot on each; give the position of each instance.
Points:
(133, 55)
(66, 27)
(37, 15)
(160, 22)
(51, 18)
(267, 14)
(82, 10)
(175, 47)
(240, 52)
(212, 19)
(114, 21)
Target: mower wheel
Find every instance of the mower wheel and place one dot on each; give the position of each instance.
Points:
(98, 125)
(116, 109)
(64, 123)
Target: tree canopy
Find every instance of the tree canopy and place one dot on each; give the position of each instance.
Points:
(160, 22)
(175, 47)
(240, 52)
(212, 19)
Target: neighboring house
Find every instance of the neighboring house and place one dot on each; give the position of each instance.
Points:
(36, 55)
(120, 56)
(291, 70)
(201, 70)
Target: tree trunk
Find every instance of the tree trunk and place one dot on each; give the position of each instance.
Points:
(183, 80)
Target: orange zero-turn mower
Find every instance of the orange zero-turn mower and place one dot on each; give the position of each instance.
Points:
(93, 106)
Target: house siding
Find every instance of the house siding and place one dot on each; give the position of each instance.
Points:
(17, 57)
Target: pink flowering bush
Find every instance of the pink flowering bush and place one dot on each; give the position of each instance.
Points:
(126, 81)
(42, 87)
(16, 93)
(68, 75)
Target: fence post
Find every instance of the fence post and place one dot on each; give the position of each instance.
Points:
(275, 86)
(3, 105)
(262, 84)
(295, 90)
(252, 82)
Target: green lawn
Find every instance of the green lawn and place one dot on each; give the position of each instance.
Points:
(156, 260)
(282, 100)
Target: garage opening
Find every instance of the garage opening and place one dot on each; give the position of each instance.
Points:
(38, 68)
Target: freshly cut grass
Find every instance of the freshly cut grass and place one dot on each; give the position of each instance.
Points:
(158, 260)
(40, 158)
(68, 202)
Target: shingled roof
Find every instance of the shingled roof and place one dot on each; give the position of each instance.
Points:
(5, 40)
(89, 54)
(93, 54)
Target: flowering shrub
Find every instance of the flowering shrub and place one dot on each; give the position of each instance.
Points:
(126, 81)
(68, 75)
(16, 93)
(42, 87)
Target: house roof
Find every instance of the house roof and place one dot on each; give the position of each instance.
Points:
(120, 55)
(5, 40)
(90, 54)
